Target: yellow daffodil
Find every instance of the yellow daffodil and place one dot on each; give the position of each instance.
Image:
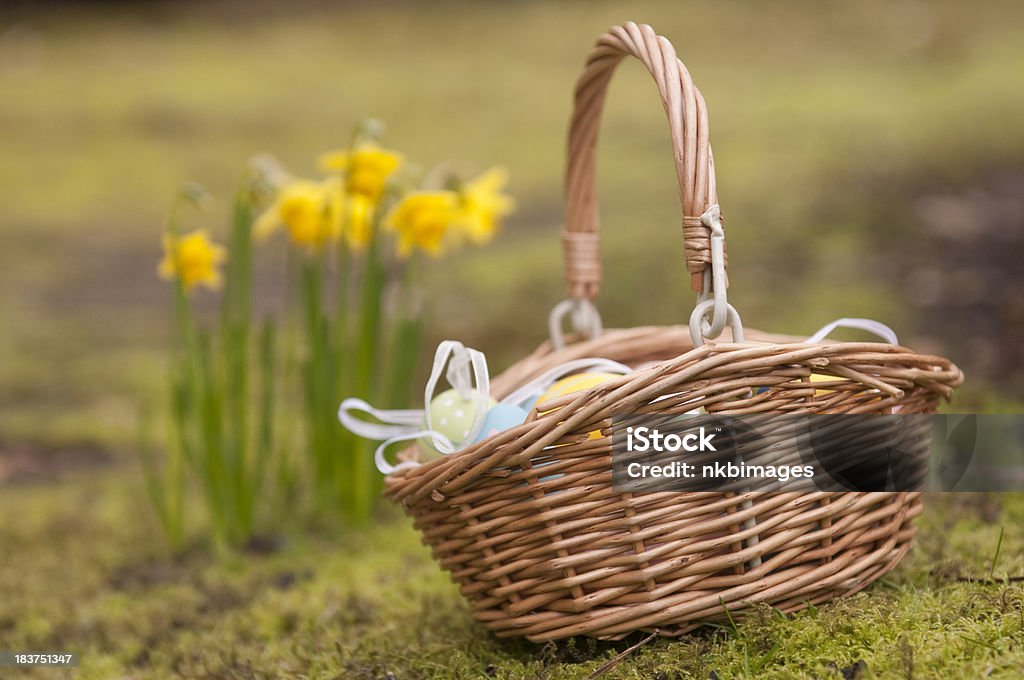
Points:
(310, 211)
(483, 205)
(366, 170)
(359, 218)
(422, 219)
(193, 258)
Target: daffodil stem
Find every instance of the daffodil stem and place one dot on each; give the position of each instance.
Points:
(314, 377)
(196, 413)
(291, 428)
(165, 485)
(407, 335)
(235, 325)
(267, 411)
(222, 428)
(342, 313)
(363, 481)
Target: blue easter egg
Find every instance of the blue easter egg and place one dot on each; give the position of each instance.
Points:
(530, 402)
(500, 418)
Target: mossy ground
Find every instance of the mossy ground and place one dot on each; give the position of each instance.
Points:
(85, 570)
(834, 133)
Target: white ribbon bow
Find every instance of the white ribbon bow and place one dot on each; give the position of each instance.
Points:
(467, 374)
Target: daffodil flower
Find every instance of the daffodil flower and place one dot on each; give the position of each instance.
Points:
(483, 205)
(192, 258)
(359, 218)
(366, 170)
(422, 219)
(310, 211)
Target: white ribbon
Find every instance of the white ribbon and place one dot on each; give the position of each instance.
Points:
(869, 325)
(387, 468)
(466, 367)
(392, 423)
(459, 376)
(467, 374)
(538, 385)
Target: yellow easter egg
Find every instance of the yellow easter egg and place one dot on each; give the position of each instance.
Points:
(817, 378)
(575, 383)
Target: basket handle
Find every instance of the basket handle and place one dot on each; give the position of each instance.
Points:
(688, 123)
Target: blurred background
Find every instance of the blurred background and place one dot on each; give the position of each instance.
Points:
(870, 161)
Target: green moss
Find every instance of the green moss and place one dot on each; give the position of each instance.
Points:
(77, 575)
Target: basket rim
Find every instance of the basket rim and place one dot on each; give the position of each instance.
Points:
(455, 471)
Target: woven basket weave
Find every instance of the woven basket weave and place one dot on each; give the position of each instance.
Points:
(527, 522)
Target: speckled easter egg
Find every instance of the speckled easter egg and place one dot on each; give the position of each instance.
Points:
(452, 416)
(500, 418)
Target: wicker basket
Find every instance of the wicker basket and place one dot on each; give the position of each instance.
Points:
(550, 552)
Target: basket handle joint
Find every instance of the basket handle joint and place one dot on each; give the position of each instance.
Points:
(583, 315)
